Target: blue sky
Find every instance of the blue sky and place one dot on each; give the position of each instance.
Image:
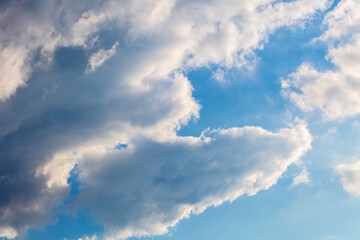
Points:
(180, 119)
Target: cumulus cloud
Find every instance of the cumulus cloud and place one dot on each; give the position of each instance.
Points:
(146, 189)
(344, 20)
(100, 57)
(335, 93)
(38, 155)
(302, 178)
(191, 34)
(350, 177)
(61, 117)
(8, 232)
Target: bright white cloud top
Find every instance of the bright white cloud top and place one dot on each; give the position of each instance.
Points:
(177, 34)
(69, 95)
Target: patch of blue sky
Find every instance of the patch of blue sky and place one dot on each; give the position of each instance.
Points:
(121, 146)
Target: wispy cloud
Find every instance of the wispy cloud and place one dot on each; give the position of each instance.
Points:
(302, 178)
(100, 57)
(146, 190)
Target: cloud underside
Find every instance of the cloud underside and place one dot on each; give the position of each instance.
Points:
(149, 186)
(153, 186)
(55, 117)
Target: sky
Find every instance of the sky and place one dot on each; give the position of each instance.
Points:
(178, 119)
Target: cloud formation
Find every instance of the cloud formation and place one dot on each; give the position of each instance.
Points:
(146, 189)
(54, 117)
(302, 178)
(335, 93)
(350, 177)
(100, 57)
(191, 34)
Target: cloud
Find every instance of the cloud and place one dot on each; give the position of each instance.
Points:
(343, 20)
(39, 150)
(302, 178)
(335, 93)
(94, 237)
(191, 35)
(8, 232)
(100, 57)
(14, 70)
(147, 189)
(219, 76)
(53, 116)
(350, 177)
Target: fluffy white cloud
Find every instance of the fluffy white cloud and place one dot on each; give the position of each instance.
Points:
(13, 68)
(56, 134)
(186, 34)
(343, 20)
(335, 92)
(350, 177)
(61, 117)
(8, 232)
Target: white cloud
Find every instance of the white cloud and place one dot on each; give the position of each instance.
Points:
(302, 178)
(13, 70)
(94, 237)
(335, 93)
(8, 232)
(93, 131)
(100, 57)
(343, 20)
(209, 32)
(350, 177)
(219, 76)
